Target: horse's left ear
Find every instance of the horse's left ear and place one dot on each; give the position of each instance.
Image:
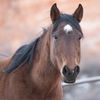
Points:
(78, 14)
(54, 13)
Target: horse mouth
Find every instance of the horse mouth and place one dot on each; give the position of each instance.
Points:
(69, 81)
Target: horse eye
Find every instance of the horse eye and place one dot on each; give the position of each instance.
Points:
(80, 38)
(55, 37)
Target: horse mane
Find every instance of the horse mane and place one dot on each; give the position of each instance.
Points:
(69, 19)
(23, 55)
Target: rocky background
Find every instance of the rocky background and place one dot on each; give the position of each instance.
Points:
(21, 21)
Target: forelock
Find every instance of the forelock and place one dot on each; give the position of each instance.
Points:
(68, 19)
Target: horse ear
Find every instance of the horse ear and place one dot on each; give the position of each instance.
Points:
(78, 14)
(54, 13)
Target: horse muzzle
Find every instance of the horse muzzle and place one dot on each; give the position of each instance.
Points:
(69, 74)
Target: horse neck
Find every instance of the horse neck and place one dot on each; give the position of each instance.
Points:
(44, 74)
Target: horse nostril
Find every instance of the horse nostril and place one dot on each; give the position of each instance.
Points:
(65, 70)
(77, 69)
(68, 72)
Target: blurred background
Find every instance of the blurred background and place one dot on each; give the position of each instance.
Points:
(21, 21)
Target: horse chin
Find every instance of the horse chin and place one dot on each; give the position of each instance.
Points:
(69, 81)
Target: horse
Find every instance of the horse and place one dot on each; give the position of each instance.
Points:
(36, 70)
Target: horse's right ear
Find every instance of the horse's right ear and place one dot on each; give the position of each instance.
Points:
(54, 13)
(78, 14)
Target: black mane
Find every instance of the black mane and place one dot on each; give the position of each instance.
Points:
(69, 19)
(22, 55)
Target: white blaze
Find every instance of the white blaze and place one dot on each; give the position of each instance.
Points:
(68, 28)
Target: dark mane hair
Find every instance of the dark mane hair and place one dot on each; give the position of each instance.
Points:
(22, 55)
(69, 19)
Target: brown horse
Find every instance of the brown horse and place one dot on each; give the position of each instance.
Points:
(34, 72)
